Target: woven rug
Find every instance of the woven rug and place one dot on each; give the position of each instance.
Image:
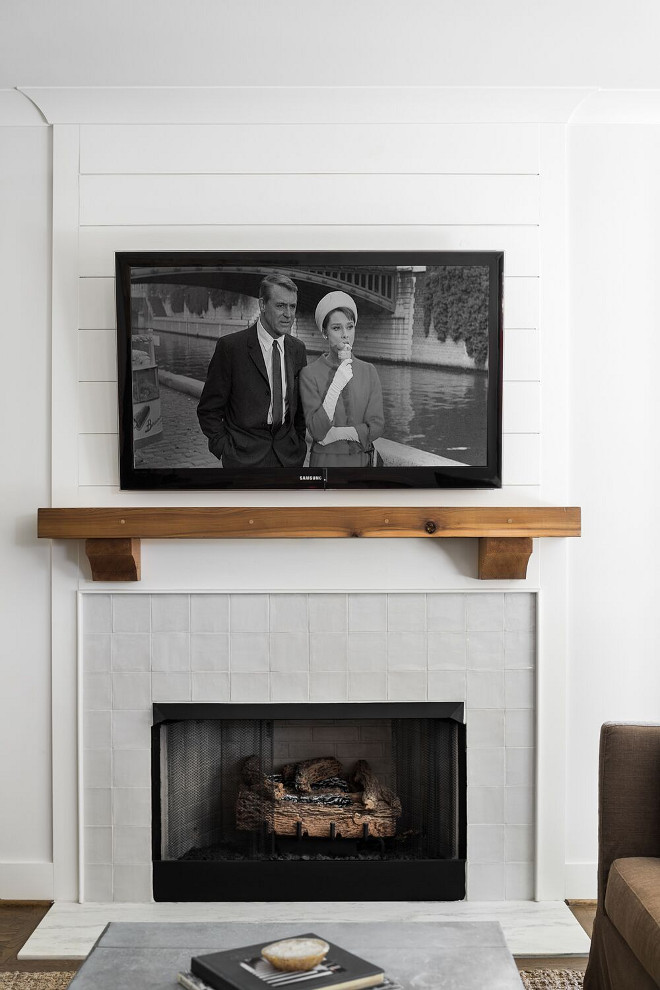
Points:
(35, 981)
(534, 979)
(552, 979)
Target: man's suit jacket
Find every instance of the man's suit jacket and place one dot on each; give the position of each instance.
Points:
(233, 409)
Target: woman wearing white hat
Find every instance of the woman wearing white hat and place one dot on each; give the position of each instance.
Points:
(341, 396)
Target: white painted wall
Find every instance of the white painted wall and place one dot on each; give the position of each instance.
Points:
(292, 43)
(25, 661)
(485, 182)
(358, 185)
(612, 209)
(614, 673)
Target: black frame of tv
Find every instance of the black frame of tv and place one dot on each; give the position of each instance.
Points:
(132, 477)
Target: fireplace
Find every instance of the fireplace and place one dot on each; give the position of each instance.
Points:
(308, 802)
(345, 651)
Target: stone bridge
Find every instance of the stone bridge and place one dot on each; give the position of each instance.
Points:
(390, 313)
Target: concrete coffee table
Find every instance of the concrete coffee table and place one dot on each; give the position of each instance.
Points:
(462, 955)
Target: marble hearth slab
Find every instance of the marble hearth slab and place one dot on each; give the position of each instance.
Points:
(547, 928)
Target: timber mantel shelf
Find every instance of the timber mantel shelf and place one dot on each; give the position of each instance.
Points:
(112, 536)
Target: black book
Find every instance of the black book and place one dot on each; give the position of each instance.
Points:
(192, 982)
(245, 968)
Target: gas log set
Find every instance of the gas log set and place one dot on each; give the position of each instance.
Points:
(314, 798)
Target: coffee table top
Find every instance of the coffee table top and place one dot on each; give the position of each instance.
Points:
(462, 955)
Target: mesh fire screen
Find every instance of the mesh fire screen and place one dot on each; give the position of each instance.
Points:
(200, 762)
(267, 789)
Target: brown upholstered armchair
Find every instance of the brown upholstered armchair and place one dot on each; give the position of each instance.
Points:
(625, 947)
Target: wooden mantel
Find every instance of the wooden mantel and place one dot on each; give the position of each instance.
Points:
(112, 536)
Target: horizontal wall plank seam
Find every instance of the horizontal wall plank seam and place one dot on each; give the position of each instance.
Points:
(261, 226)
(468, 124)
(514, 225)
(364, 174)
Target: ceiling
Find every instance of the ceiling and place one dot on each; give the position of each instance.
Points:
(336, 43)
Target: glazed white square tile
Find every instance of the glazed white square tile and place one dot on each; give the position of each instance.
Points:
(367, 613)
(131, 613)
(209, 613)
(97, 613)
(209, 651)
(328, 613)
(248, 613)
(170, 613)
(328, 651)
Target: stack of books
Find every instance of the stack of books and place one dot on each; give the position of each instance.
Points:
(245, 968)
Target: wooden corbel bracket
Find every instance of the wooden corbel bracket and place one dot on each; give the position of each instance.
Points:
(114, 560)
(112, 536)
(504, 557)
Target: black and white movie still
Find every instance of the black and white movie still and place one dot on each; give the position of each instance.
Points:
(347, 365)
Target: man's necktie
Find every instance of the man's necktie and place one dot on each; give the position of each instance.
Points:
(278, 408)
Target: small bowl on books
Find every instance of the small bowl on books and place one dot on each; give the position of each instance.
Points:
(295, 954)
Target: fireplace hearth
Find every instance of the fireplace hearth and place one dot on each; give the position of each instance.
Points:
(308, 802)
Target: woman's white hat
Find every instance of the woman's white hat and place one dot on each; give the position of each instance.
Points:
(332, 301)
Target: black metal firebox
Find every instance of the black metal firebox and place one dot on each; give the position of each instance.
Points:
(204, 851)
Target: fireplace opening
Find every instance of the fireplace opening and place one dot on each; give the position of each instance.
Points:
(308, 802)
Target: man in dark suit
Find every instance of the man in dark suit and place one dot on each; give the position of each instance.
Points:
(250, 407)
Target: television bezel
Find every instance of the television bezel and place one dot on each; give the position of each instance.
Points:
(185, 478)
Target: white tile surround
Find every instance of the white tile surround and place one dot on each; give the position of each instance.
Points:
(140, 648)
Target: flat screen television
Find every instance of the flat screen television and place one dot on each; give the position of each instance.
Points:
(309, 369)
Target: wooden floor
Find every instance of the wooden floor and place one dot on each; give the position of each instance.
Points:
(18, 919)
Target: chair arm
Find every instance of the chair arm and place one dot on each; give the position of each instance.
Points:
(628, 795)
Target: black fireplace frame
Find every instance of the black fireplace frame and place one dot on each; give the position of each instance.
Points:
(388, 880)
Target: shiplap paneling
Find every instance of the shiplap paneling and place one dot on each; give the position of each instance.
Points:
(97, 496)
(521, 407)
(299, 148)
(519, 243)
(140, 209)
(310, 199)
(522, 361)
(521, 459)
(97, 356)
(98, 459)
(97, 407)
(97, 303)
(521, 303)
(64, 315)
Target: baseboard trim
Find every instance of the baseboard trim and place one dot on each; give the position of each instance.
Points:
(26, 881)
(580, 881)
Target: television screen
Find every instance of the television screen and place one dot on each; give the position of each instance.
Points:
(309, 369)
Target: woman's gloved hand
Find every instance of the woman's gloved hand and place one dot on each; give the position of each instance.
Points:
(343, 374)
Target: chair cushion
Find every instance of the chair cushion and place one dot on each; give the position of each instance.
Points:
(632, 902)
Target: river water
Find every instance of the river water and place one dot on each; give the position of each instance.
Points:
(439, 410)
